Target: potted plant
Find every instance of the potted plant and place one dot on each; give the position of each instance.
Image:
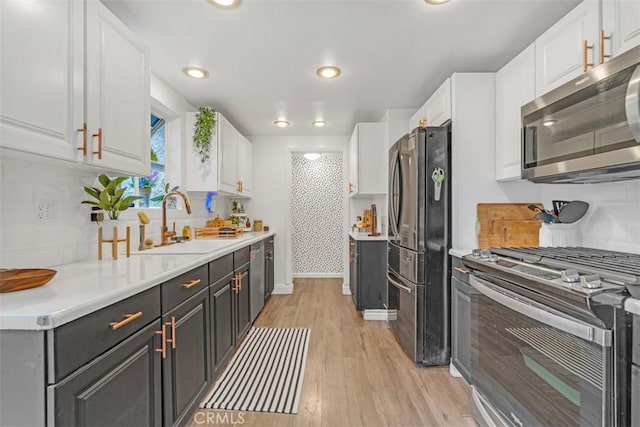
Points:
(203, 131)
(110, 198)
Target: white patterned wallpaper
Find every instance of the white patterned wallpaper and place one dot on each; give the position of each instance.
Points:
(317, 214)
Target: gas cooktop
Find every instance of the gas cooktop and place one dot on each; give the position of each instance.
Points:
(579, 270)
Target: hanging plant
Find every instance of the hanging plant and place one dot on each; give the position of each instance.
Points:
(203, 132)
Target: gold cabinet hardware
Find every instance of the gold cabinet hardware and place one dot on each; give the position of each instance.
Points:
(99, 136)
(238, 186)
(83, 129)
(191, 284)
(603, 55)
(423, 122)
(461, 270)
(350, 188)
(585, 47)
(239, 282)
(128, 318)
(235, 283)
(163, 347)
(241, 186)
(173, 332)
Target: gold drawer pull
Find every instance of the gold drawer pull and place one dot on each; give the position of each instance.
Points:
(163, 348)
(461, 270)
(99, 136)
(83, 129)
(128, 318)
(603, 55)
(173, 332)
(191, 284)
(585, 47)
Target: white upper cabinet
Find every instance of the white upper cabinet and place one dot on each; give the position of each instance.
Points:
(368, 159)
(620, 27)
(58, 103)
(438, 107)
(569, 48)
(230, 165)
(118, 98)
(515, 86)
(42, 68)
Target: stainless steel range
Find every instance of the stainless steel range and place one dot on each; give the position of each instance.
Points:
(550, 340)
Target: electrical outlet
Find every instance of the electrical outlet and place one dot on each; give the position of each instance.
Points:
(97, 216)
(42, 211)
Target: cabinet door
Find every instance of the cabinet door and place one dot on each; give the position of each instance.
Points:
(199, 176)
(222, 323)
(372, 274)
(243, 312)
(461, 327)
(353, 271)
(438, 107)
(228, 162)
(620, 22)
(120, 388)
(186, 369)
(245, 153)
(42, 68)
(353, 162)
(560, 50)
(118, 98)
(515, 86)
(372, 159)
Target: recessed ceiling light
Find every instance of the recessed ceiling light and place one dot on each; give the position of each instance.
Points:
(550, 122)
(319, 123)
(312, 156)
(196, 72)
(282, 123)
(224, 3)
(437, 1)
(328, 72)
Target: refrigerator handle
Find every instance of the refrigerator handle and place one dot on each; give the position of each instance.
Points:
(393, 215)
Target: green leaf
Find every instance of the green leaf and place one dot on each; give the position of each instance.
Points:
(123, 204)
(117, 196)
(93, 192)
(104, 180)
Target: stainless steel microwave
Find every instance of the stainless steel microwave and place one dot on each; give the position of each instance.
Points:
(587, 130)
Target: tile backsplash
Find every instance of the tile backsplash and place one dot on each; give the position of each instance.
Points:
(61, 232)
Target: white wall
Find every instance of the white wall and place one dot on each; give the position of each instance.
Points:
(270, 192)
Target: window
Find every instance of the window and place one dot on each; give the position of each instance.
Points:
(152, 187)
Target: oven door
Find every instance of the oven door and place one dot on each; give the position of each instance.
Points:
(536, 366)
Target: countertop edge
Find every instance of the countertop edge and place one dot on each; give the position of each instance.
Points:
(363, 237)
(632, 305)
(459, 252)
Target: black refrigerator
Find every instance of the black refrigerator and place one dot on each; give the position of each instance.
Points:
(418, 269)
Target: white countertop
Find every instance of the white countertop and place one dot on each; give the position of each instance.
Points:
(82, 288)
(459, 252)
(365, 236)
(632, 305)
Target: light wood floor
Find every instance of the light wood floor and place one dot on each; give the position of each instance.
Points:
(356, 373)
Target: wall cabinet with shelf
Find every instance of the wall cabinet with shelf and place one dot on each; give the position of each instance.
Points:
(368, 160)
(91, 108)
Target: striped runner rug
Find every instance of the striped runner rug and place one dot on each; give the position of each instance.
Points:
(266, 373)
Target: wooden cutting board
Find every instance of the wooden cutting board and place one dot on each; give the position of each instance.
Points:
(507, 225)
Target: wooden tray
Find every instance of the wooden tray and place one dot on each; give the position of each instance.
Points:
(219, 232)
(507, 225)
(24, 278)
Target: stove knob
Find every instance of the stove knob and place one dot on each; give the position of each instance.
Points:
(591, 281)
(494, 258)
(570, 276)
(476, 253)
(485, 254)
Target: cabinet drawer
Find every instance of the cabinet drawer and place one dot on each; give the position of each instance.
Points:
(458, 270)
(77, 342)
(241, 257)
(183, 287)
(219, 268)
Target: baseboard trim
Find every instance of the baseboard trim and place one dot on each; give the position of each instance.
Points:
(317, 275)
(282, 289)
(346, 289)
(379, 314)
(453, 371)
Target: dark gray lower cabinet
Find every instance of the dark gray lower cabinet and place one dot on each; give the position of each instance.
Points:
(367, 273)
(242, 304)
(268, 268)
(222, 321)
(461, 319)
(119, 388)
(186, 368)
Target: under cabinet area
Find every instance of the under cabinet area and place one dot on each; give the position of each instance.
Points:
(92, 104)
(367, 273)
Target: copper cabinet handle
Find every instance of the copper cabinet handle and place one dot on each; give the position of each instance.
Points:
(99, 136)
(128, 318)
(461, 270)
(239, 282)
(191, 284)
(235, 283)
(173, 332)
(603, 56)
(83, 129)
(241, 186)
(585, 64)
(163, 347)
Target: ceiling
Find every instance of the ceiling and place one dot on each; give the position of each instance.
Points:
(263, 54)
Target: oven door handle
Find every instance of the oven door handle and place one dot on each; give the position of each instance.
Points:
(589, 333)
(398, 284)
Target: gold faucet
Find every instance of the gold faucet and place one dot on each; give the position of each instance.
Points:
(164, 231)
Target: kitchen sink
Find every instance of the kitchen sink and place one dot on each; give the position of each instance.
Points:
(199, 246)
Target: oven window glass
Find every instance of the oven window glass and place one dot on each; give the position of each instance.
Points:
(534, 374)
(588, 122)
